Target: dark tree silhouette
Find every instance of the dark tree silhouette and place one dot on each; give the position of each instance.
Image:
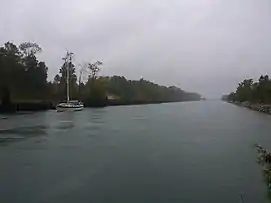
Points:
(254, 92)
(23, 78)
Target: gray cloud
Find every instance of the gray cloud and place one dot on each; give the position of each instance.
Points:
(206, 46)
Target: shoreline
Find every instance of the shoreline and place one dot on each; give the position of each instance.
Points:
(33, 106)
(261, 108)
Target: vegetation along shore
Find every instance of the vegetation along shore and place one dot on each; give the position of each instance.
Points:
(24, 84)
(255, 95)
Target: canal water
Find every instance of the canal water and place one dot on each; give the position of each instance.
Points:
(191, 152)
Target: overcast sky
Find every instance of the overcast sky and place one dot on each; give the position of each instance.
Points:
(206, 46)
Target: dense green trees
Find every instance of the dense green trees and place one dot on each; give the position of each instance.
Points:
(143, 90)
(21, 74)
(24, 78)
(255, 92)
(94, 90)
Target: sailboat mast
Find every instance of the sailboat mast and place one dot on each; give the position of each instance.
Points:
(68, 76)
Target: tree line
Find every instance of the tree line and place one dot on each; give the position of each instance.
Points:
(25, 78)
(252, 91)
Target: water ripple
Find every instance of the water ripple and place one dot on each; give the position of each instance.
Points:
(20, 133)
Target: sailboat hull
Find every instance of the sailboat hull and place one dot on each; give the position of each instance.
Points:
(65, 109)
(69, 107)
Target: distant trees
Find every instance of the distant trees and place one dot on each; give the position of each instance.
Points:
(24, 78)
(145, 91)
(94, 69)
(257, 92)
(95, 87)
(245, 90)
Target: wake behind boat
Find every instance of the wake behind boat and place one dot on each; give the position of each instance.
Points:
(69, 105)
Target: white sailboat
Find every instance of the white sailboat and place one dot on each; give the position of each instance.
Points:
(69, 105)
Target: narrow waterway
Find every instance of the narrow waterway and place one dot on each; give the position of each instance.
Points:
(194, 152)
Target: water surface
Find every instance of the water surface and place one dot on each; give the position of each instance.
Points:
(183, 152)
